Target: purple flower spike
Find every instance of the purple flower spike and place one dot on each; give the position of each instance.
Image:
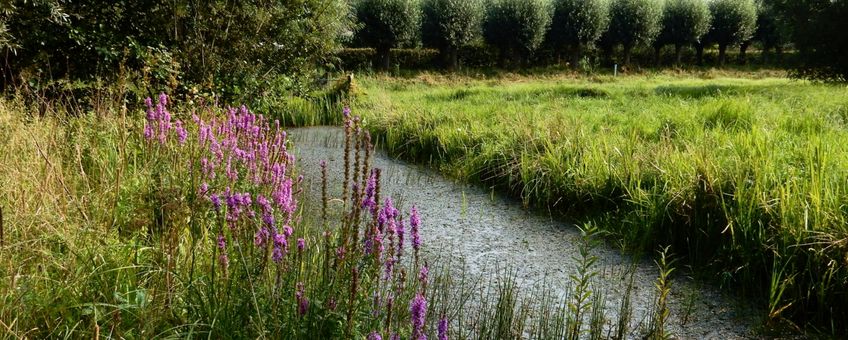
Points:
(418, 313)
(443, 328)
(374, 336)
(423, 273)
(414, 222)
(302, 301)
(301, 244)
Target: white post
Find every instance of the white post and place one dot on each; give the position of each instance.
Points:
(615, 70)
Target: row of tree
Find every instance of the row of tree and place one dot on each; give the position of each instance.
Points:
(518, 28)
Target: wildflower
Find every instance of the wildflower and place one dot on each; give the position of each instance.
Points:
(370, 191)
(423, 273)
(443, 328)
(261, 237)
(182, 134)
(374, 336)
(414, 222)
(395, 336)
(216, 201)
(148, 131)
(222, 246)
(301, 244)
(418, 311)
(302, 301)
(280, 246)
(400, 230)
(346, 112)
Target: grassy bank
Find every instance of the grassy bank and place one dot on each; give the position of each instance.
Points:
(188, 221)
(747, 177)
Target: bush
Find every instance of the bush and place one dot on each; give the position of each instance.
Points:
(449, 25)
(733, 22)
(577, 24)
(516, 28)
(684, 22)
(634, 23)
(244, 45)
(386, 24)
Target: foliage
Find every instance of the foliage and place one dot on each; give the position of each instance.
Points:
(813, 25)
(684, 22)
(516, 27)
(733, 22)
(231, 48)
(634, 23)
(451, 24)
(386, 24)
(578, 24)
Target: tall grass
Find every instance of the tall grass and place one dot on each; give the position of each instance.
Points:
(187, 221)
(744, 178)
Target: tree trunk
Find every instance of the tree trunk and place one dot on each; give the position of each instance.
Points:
(383, 58)
(699, 51)
(722, 52)
(678, 54)
(657, 50)
(627, 50)
(743, 49)
(450, 58)
(575, 56)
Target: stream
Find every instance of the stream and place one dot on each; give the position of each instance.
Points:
(487, 231)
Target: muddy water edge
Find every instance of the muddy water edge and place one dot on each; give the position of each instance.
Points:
(484, 238)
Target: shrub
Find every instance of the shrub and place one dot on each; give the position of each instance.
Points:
(243, 44)
(733, 22)
(386, 24)
(449, 25)
(516, 28)
(684, 22)
(634, 23)
(577, 24)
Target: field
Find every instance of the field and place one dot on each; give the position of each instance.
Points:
(745, 175)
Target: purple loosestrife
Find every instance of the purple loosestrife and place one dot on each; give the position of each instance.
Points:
(281, 246)
(423, 273)
(368, 201)
(400, 230)
(374, 336)
(414, 223)
(222, 248)
(443, 328)
(302, 301)
(301, 245)
(418, 314)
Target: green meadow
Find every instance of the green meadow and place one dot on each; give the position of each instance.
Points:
(744, 175)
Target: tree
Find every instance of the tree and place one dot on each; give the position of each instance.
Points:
(734, 22)
(578, 24)
(449, 25)
(634, 23)
(386, 24)
(239, 47)
(516, 27)
(684, 22)
(772, 30)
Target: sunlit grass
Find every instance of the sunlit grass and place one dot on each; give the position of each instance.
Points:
(746, 178)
